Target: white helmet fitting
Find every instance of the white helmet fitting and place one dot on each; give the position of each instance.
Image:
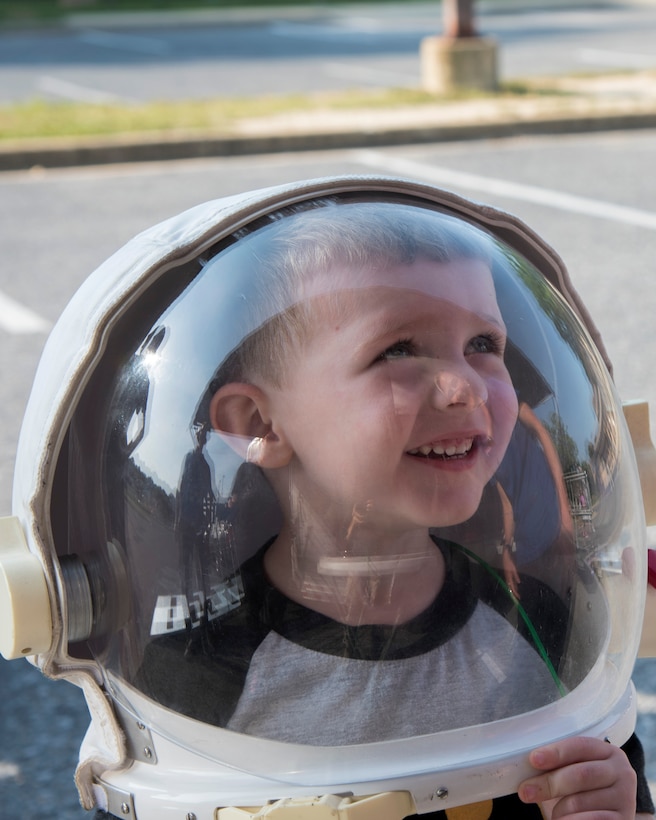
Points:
(99, 575)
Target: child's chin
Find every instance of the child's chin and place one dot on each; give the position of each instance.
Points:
(459, 513)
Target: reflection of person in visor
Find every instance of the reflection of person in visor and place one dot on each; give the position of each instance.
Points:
(194, 508)
(531, 478)
(377, 405)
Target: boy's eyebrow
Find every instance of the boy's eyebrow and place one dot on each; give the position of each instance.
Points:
(494, 320)
(388, 322)
(381, 327)
(384, 324)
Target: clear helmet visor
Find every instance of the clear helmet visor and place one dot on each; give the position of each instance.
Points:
(356, 475)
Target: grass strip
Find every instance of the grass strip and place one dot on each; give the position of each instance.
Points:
(42, 119)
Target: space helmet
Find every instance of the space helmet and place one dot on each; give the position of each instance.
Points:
(324, 492)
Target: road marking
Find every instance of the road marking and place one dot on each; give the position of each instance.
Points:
(376, 76)
(125, 42)
(616, 59)
(16, 318)
(9, 771)
(73, 91)
(514, 190)
(308, 31)
(369, 24)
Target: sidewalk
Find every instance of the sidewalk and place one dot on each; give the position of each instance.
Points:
(553, 106)
(623, 101)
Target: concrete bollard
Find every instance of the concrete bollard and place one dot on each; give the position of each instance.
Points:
(451, 64)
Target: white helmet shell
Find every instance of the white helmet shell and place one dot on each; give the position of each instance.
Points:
(152, 478)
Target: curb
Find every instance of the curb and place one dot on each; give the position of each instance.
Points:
(121, 149)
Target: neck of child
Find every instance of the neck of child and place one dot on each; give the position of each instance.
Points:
(362, 580)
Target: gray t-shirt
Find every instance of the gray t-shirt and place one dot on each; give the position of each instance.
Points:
(273, 668)
(486, 672)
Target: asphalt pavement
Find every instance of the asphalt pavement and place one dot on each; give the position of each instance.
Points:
(574, 104)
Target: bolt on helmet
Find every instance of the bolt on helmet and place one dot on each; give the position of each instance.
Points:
(326, 490)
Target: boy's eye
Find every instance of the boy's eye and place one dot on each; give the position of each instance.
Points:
(486, 343)
(399, 350)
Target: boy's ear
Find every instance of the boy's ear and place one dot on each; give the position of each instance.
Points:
(239, 412)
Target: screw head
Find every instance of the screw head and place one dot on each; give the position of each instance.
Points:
(442, 793)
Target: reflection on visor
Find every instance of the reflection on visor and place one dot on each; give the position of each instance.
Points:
(364, 468)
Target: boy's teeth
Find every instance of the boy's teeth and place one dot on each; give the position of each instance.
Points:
(458, 449)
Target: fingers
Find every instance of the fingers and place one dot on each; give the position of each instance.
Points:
(511, 573)
(582, 775)
(514, 584)
(513, 580)
(571, 750)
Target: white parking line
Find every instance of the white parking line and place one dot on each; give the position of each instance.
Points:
(616, 59)
(9, 771)
(16, 318)
(514, 190)
(125, 42)
(310, 31)
(74, 91)
(375, 76)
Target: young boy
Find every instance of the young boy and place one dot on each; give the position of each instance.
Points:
(376, 403)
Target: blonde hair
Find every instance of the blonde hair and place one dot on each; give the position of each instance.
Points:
(281, 256)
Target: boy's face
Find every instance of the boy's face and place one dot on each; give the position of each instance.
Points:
(398, 400)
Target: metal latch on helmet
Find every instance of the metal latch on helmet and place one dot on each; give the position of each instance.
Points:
(390, 805)
(25, 617)
(116, 802)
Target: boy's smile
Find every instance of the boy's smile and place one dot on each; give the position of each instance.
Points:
(447, 454)
(457, 448)
(398, 400)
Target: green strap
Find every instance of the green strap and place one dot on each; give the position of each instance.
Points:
(524, 616)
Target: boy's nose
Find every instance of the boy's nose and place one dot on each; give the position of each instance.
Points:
(458, 387)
